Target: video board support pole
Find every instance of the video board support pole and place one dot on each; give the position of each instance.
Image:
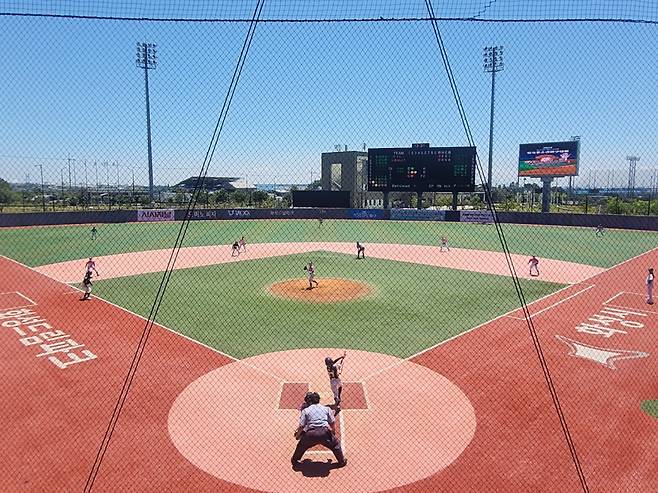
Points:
(419, 205)
(546, 193)
(386, 202)
(455, 197)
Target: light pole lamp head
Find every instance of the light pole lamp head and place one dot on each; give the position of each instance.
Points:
(493, 58)
(146, 55)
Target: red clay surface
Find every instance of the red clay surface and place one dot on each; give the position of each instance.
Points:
(54, 419)
(130, 264)
(426, 435)
(328, 290)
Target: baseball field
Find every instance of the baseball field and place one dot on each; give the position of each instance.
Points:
(432, 335)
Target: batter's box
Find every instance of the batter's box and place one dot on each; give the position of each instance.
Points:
(14, 299)
(632, 301)
(292, 395)
(353, 395)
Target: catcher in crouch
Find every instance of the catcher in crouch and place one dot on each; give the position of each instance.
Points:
(334, 369)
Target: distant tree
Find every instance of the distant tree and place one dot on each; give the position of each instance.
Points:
(240, 197)
(259, 197)
(221, 196)
(180, 198)
(315, 185)
(7, 194)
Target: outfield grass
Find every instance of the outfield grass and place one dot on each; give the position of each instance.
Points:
(228, 307)
(45, 245)
(651, 408)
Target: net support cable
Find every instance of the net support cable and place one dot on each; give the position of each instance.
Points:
(139, 351)
(508, 257)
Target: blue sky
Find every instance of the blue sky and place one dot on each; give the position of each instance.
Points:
(70, 88)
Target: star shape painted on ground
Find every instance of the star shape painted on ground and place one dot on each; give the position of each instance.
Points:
(603, 356)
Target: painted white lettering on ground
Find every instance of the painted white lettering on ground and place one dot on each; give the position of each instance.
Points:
(54, 343)
(603, 324)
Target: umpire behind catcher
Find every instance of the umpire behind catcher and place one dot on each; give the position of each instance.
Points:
(316, 427)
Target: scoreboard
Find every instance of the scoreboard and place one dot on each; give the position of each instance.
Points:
(421, 169)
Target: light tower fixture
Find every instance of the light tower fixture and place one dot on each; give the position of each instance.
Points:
(492, 62)
(147, 59)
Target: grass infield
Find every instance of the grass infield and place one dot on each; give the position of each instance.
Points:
(413, 307)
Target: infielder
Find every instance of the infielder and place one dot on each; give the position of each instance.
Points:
(86, 282)
(235, 252)
(444, 244)
(334, 369)
(90, 267)
(650, 287)
(242, 245)
(310, 274)
(534, 266)
(360, 250)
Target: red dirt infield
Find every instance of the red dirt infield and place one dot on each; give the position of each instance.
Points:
(327, 291)
(133, 263)
(185, 394)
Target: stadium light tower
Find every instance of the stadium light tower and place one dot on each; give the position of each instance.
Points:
(493, 62)
(632, 166)
(147, 59)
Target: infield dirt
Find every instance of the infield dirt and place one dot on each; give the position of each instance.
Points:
(327, 290)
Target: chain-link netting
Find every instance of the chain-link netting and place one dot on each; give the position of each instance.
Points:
(210, 282)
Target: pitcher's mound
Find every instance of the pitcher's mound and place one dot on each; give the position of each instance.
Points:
(327, 291)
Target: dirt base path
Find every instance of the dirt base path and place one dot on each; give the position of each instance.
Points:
(133, 263)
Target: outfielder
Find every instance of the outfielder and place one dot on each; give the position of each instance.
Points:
(334, 369)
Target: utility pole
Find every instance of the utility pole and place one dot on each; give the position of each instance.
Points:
(147, 59)
(70, 182)
(632, 166)
(574, 138)
(43, 194)
(85, 193)
(493, 62)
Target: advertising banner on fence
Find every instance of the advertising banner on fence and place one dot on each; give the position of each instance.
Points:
(417, 215)
(150, 215)
(549, 159)
(366, 214)
(479, 216)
